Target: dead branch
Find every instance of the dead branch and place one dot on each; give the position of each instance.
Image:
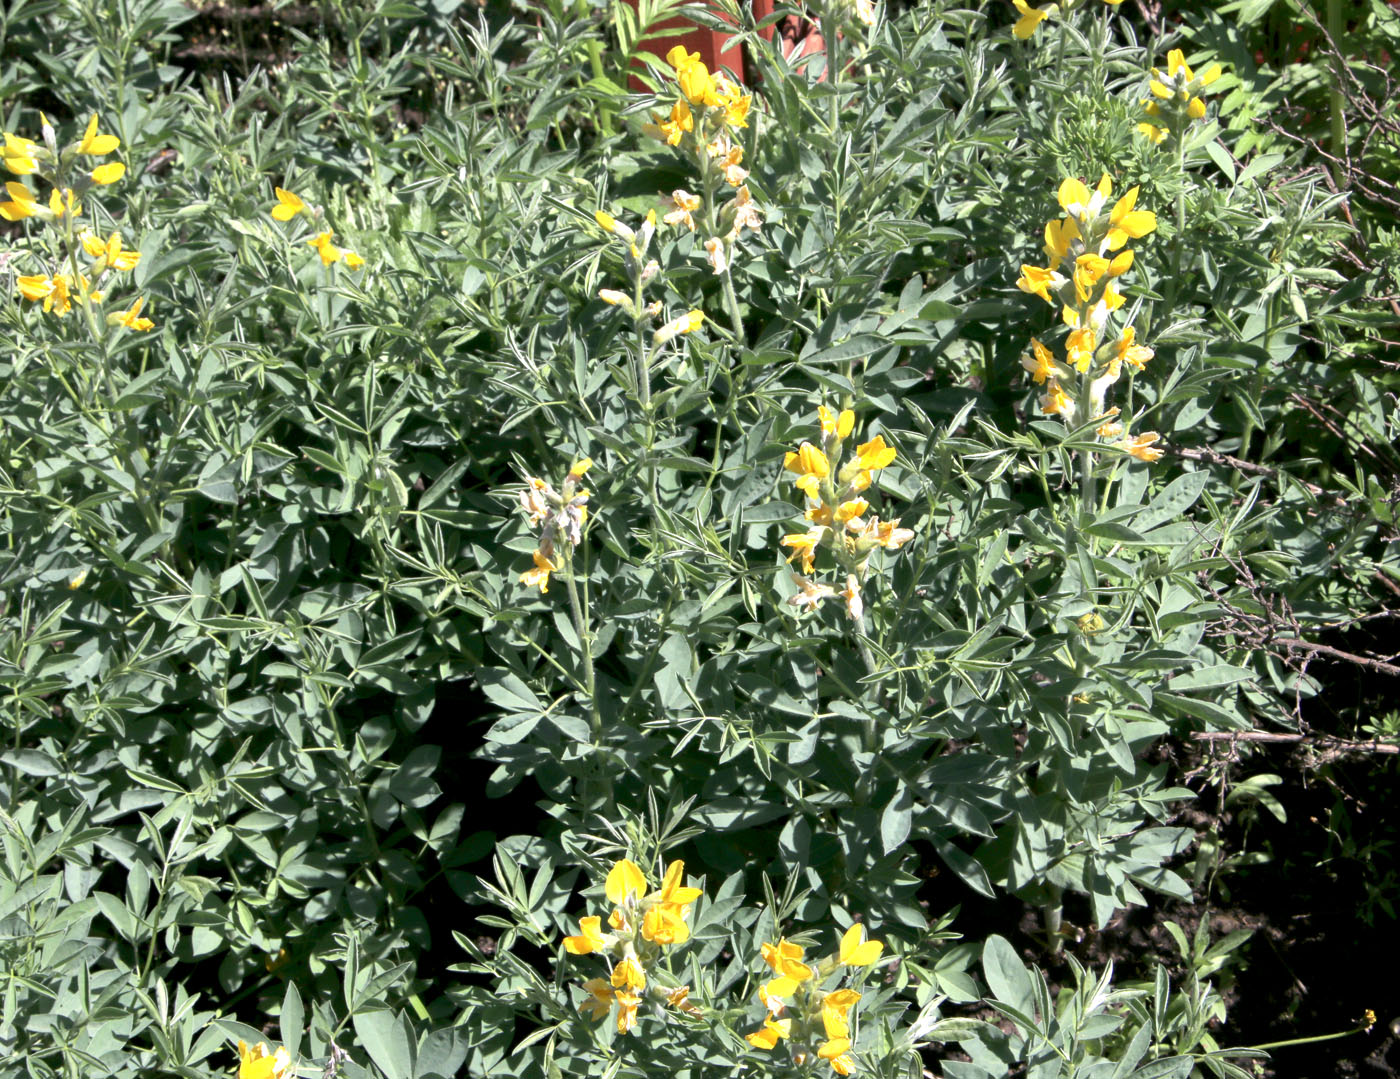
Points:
(1321, 741)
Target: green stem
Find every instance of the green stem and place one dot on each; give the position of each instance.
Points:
(831, 36)
(731, 302)
(1087, 481)
(1052, 915)
(595, 718)
(1177, 243)
(1308, 1041)
(1336, 101)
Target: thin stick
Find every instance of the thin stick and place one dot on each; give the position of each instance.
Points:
(1321, 740)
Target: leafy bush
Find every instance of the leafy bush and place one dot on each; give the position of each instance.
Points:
(500, 437)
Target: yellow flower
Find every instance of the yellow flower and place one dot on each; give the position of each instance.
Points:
(675, 894)
(110, 254)
(21, 154)
(21, 203)
(728, 158)
(288, 205)
(733, 100)
(682, 204)
(810, 595)
(839, 425)
(259, 1063)
(599, 1001)
(540, 574)
(766, 1037)
(1176, 61)
(679, 998)
(109, 173)
(1079, 348)
(855, 605)
(834, 1048)
(34, 287)
(94, 144)
(1031, 17)
(59, 299)
(785, 958)
(840, 1002)
(853, 952)
(1125, 222)
(717, 254)
(628, 974)
(1196, 109)
(1039, 280)
(1074, 197)
(804, 544)
(875, 454)
(836, 1052)
(626, 1011)
(1156, 135)
(614, 297)
(696, 83)
(745, 216)
(353, 261)
(590, 938)
(1058, 236)
(624, 879)
(325, 248)
(772, 992)
(1141, 446)
(61, 202)
(131, 319)
(1055, 402)
(662, 924)
(886, 534)
(1042, 366)
(811, 466)
(681, 121)
(1132, 354)
(687, 323)
(851, 509)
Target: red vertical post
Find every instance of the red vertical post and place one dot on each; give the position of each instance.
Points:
(714, 46)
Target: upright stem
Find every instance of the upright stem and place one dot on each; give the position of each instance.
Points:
(1052, 915)
(595, 718)
(831, 37)
(1335, 98)
(1177, 240)
(586, 647)
(1087, 482)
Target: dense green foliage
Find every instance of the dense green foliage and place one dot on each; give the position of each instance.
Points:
(259, 556)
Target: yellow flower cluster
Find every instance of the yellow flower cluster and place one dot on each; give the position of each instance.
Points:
(640, 925)
(820, 1018)
(70, 182)
(289, 206)
(642, 271)
(1031, 17)
(258, 1063)
(836, 512)
(559, 516)
(1177, 104)
(1080, 280)
(709, 107)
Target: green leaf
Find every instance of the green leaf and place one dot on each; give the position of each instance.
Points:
(291, 1021)
(1214, 677)
(388, 1040)
(897, 820)
(1006, 975)
(1172, 502)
